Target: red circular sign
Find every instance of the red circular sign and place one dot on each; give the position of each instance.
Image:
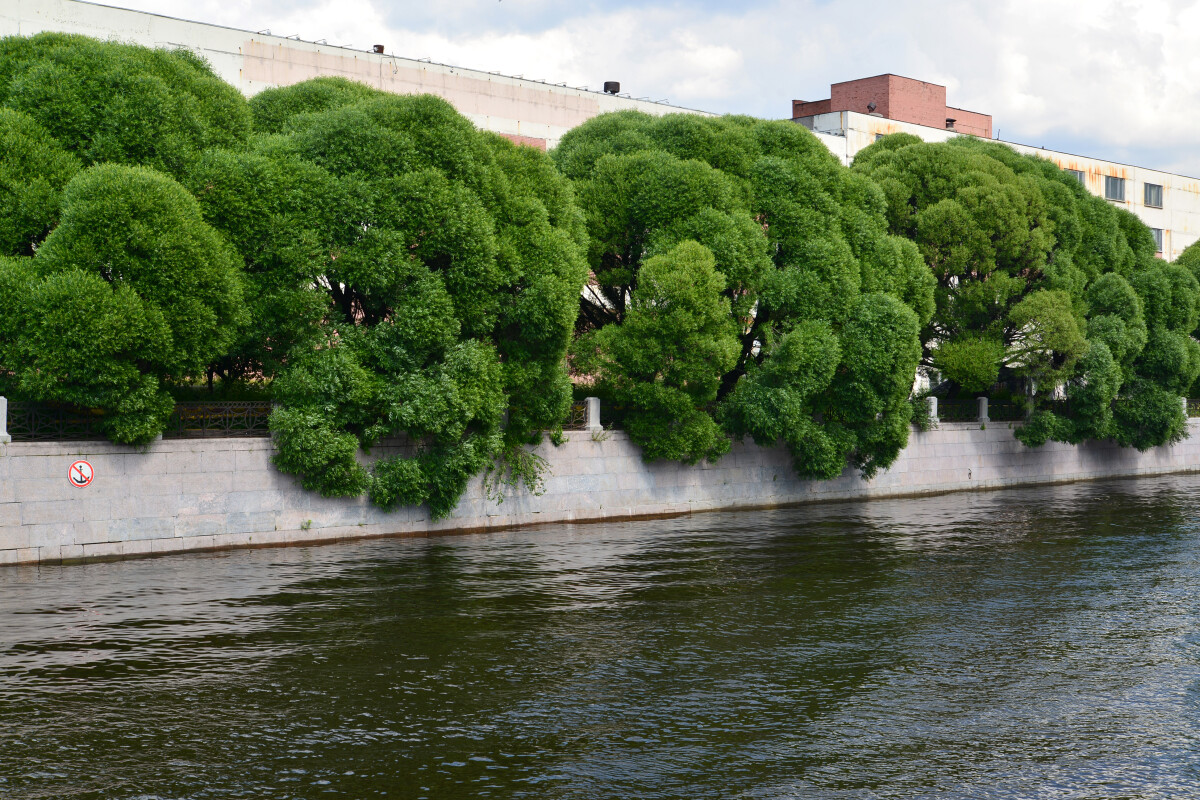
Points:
(80, 474)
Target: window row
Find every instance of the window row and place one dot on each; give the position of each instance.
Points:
(1114, 189)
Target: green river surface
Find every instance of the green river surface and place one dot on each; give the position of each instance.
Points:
(1022, 643)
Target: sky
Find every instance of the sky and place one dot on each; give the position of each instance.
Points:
(1111, 79)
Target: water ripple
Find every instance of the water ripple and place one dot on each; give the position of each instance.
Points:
(1026, 643)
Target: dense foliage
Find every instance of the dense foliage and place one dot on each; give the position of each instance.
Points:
(126, 104)
(1041, 284)
(416, 276)
(405, 282)
(118, 287)
(395, 271)
(821, 304)
(129, 291)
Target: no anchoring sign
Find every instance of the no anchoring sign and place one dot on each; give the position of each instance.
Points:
(80, 474)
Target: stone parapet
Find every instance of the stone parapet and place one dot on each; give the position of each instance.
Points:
(185, 495)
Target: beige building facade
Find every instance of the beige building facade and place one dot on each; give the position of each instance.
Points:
(528, 111)
(538, 113)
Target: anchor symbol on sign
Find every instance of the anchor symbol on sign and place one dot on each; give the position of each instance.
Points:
(80, 474)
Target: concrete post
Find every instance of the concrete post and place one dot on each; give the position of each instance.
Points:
(983, 417)
(932, 401)
(5, 438)
(1184, 400)
(593, 414)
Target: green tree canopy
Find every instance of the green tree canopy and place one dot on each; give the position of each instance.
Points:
(802, 247)
(274, 109)
(1039, 280)
(33, 171)
(130, 290)
(111, 102)
(667, 359)
(421, 278)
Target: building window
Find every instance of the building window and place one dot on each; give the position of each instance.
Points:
(1158, 238)
(1153, 198)
(1078, 175)
(1114, 188)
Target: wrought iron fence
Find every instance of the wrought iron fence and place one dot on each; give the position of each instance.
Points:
(35, 422)
(1006, 412)
(576, 419)
(198, 420)
(1193, 407)
(958, 410)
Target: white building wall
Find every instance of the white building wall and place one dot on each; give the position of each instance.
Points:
(254, 61)
(848, 132)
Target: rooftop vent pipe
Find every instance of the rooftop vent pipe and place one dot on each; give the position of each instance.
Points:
(378, 48)
(950, 123)
(612, 87)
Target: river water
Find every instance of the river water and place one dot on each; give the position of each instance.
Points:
(1022, 643)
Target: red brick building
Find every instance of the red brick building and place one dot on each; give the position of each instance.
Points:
(898, 98)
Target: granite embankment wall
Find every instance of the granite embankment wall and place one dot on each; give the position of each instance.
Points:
(215, 493)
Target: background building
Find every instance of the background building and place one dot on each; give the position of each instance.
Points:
(538, 113)
(898, 98)
(1169, 204)
(528, 111)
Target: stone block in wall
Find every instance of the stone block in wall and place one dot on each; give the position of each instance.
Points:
(49, 535)
(146, 485)
(111, 550)
(10, 516)
(91, 531)
(252, 501)
(250, 522)
(125, 506)
(194, 463)
(178, 544)
(24, 555)
(203, 503)
(151, 463)
(193, 526)
(142, 528)
(38, 467)
(259, 460)
(54, 512)
(65, 552)
(14, 537)
(262, 480)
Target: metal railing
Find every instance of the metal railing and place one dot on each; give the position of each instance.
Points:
(36, 422)
(1193, 407)
(39, 422)
(199, 420)
(960, 410)
(576, 419)
(1006, 412)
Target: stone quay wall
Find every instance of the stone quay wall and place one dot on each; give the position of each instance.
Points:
(205, 494)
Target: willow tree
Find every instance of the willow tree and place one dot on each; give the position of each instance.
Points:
(444, 266)
(119, 287)
(1039, 281)
(824, 305)
(120, 103)
(130, 291)
(34, 168)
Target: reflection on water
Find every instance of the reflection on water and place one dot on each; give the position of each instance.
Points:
(1024, 643)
